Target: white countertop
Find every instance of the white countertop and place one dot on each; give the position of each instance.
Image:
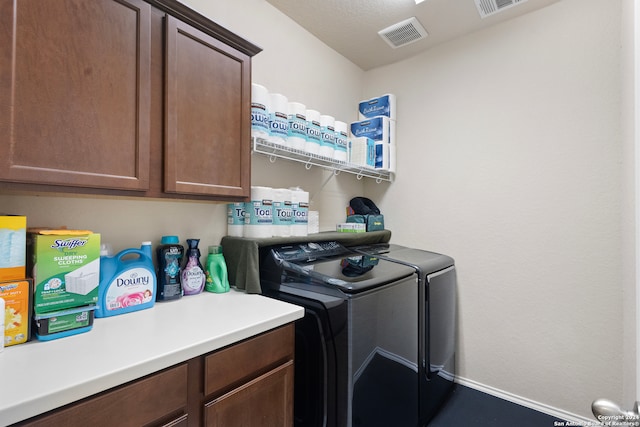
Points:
(42, 375)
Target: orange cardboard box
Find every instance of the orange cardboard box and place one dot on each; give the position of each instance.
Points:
(17, 311)
(13, 246)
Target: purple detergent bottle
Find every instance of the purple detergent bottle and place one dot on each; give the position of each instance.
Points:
(193, 275)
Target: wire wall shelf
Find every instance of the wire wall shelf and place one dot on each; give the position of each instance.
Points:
(277, 151)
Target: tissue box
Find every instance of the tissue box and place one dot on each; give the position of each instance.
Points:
(17, 311)
(384, 105)
(13, 238)
(66, 268)
(380, 129)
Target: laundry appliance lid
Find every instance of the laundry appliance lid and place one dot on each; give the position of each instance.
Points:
(345, 270)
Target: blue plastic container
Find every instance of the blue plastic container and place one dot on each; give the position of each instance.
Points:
(127, 282)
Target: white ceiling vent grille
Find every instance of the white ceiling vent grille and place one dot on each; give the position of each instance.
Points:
(403, 33)
(491, 7)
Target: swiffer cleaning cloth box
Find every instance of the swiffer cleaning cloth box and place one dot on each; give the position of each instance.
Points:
(66, 268)
(13, 238)
(384, 105)
(17, 311)
(380, 129)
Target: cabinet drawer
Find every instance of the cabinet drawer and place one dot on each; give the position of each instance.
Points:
(266, 401)
(242, 362)
(135, 404)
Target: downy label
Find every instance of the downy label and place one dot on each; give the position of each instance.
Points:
(129, 288)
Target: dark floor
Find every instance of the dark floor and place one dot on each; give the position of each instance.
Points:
(469, 408)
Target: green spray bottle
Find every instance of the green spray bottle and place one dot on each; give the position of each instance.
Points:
(217, 278)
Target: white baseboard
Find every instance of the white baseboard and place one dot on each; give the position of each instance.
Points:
(573, 419)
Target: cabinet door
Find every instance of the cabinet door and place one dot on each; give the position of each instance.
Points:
(207, 114)
(74, 92)
(266, 401)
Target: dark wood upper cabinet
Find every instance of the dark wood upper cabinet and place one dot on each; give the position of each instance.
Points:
(75, 93)
(123, 97)
(207, 113)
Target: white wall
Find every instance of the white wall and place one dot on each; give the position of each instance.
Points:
(630, 140)
(510, 155)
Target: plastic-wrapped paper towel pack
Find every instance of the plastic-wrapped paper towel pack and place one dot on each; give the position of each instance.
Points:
(272, 212)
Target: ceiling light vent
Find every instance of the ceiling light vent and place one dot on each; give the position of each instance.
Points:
(490, 7)
(403, 33)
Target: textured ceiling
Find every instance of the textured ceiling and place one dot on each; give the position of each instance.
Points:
(351, 27)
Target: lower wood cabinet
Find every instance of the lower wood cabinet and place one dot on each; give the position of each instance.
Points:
(270, 396)
(246, 384)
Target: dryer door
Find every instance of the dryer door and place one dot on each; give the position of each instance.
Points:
(383, 336)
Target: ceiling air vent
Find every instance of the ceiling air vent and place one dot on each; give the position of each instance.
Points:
(491, 7)
(403, 33)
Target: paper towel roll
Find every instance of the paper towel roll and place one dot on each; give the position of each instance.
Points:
(278, 118)
(282, 212)
(259, 111)
(328, 140)
(297, 132)
(313, 132)
(300, 206)
(258, 218)
(342, 136)
(235, 219)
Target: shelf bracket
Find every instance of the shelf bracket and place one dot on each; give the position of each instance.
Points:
(326, 181)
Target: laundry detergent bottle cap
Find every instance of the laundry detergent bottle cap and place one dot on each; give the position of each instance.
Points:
(217, 278)
(169, 260)
(169, 240)
(193, 275)
(127, 282)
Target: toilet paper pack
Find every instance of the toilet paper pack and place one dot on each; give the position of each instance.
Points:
(384, 105)
(380, 129)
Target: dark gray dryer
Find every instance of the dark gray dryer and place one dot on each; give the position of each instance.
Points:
(436, 275)
(366, 351)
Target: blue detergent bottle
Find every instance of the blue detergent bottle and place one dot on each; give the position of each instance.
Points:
(169, 257)
(217, 278)
(127, 282)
